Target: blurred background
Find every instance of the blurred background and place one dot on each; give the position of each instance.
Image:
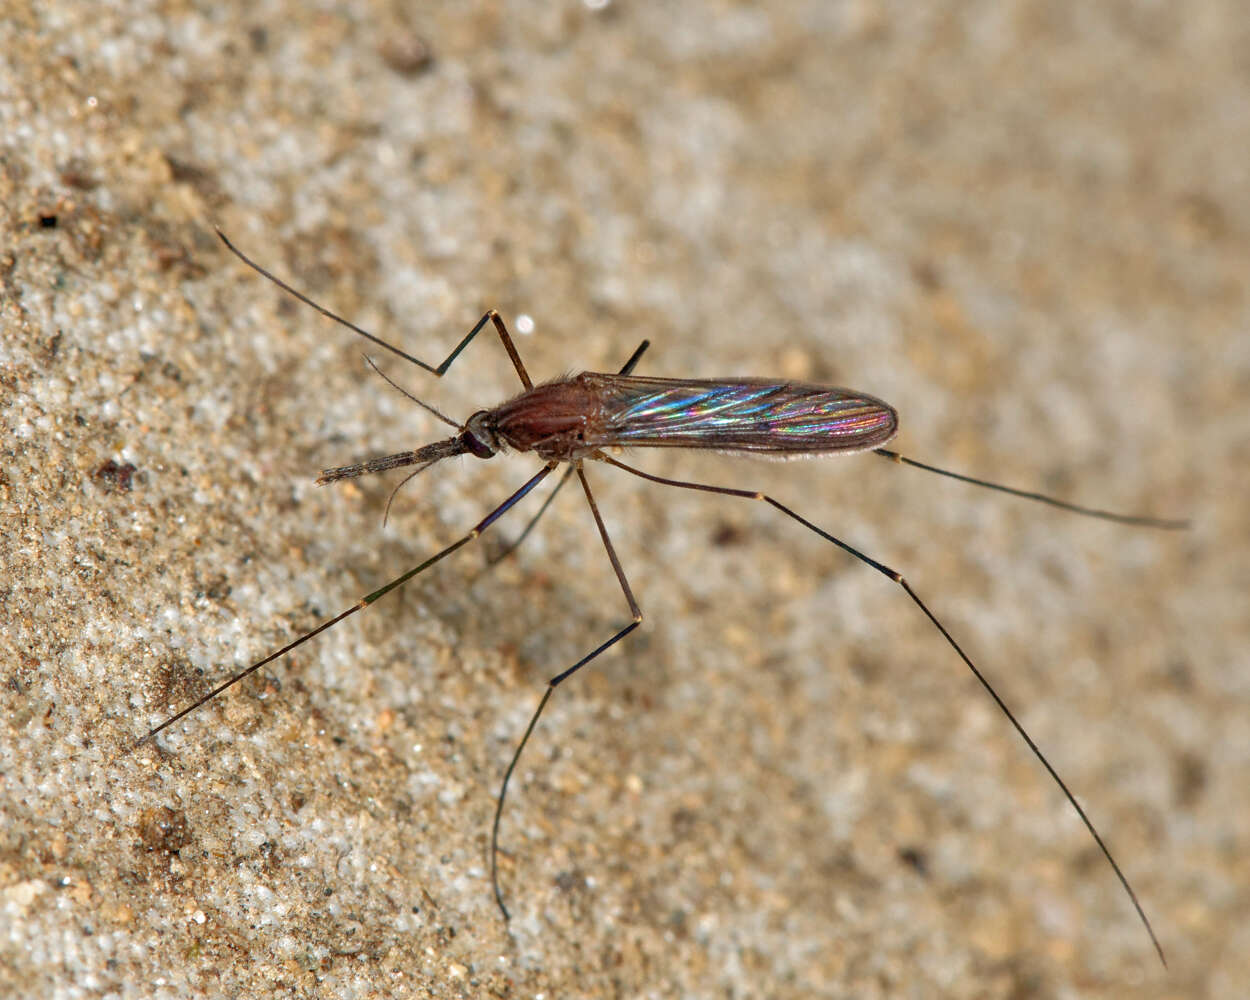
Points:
(1022, 223)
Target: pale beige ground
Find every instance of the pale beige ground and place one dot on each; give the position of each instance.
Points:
(1024, 223)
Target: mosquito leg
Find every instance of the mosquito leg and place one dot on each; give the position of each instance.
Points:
(516, 543)
(508, 346)
(491, 317)
(1138, 520)
(552, 684)
(976, 672)
(509, 549)
(360, 605)
(634, 358)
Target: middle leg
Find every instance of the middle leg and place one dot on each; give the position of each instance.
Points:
(552, 684)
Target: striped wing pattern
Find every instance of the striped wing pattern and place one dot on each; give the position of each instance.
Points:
(751, 415)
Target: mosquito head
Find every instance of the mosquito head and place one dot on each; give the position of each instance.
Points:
(479, 437)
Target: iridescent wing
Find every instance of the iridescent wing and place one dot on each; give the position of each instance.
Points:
(745, 415)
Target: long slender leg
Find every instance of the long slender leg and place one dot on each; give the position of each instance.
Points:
(516, 543)
(360, 605)
(634, 358)
(508, 550)
(552, 684)
(491, 317)
(1139, 520)
(984, 681)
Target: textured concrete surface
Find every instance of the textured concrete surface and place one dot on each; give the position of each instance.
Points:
(1024, 223)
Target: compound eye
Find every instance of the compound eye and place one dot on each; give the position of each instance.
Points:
(478, 435)
(477, 447)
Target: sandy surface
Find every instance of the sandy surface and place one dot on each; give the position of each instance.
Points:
(1027, 224)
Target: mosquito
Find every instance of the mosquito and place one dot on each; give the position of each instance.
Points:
(577, 418)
